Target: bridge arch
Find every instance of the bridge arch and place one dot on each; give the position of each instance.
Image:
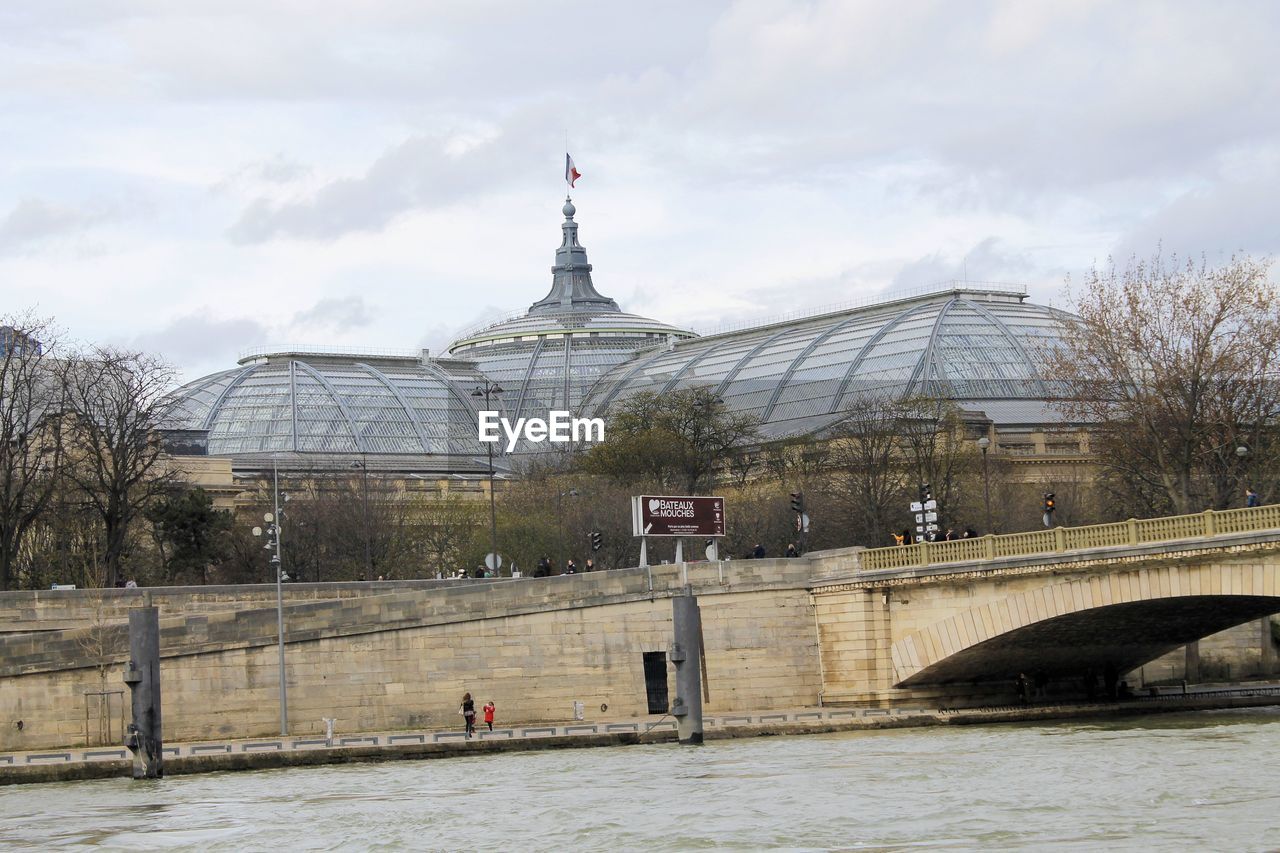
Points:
(1120, 618)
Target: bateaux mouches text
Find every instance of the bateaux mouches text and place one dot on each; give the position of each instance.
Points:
(560, 428)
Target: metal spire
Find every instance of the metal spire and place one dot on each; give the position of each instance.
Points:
(571, 286)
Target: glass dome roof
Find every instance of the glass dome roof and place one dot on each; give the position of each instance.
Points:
(320, 403)
(967, 344)
(575, 350)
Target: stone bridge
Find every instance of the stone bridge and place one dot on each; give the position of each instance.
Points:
(970, 616)
(946, 624)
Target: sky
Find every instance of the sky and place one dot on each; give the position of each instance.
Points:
(197, 179)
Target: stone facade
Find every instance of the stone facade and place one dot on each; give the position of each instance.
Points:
(403, 659)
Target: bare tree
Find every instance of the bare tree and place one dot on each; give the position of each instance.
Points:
(64, 544)
(868, 470)
(1174, 365)
(444, 528)
(101, 641)
(31, 451)
(797, 459)
(938, 451)
(118, 405)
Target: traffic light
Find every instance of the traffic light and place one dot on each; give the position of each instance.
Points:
(925, 494)
(1050, 504)
(797, 502)
(597, 541)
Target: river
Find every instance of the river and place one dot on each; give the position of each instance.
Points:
(1201, 781)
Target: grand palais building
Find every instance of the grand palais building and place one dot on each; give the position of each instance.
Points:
(415, 415)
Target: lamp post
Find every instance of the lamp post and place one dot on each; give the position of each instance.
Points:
(1251, 499)
(274, 520)
(364, 497)
(486, 390)
(560, 555)
(983, 444)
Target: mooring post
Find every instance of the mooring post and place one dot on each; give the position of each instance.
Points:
(143, 677)
(686, 654)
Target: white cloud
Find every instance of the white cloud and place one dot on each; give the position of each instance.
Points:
(204, 178)
(34, 220)
(335, 313)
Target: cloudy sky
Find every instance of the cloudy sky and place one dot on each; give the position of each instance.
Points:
(198, 178)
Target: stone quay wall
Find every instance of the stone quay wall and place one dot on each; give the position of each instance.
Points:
(393, 658)
(59, 609)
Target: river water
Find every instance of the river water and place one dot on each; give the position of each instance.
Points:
(1198, 781)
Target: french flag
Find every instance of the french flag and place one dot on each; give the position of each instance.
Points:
(571, 172)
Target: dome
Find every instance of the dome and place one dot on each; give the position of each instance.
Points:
(975, 346)
(551, 355)
(347, 405)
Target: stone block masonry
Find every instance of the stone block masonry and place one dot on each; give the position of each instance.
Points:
(401, 660)
(778, 633)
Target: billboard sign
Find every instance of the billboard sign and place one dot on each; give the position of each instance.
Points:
(686, 515)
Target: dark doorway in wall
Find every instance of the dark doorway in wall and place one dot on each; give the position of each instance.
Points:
(655, 681)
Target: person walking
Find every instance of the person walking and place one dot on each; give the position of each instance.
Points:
(1251, 498)
(489, 709)
(468, 711)
(570, 568)
(590, 566)
(758, 552)
(791, 550)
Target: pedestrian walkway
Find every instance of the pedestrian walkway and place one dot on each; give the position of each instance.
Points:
(246, 753)
(577, 728)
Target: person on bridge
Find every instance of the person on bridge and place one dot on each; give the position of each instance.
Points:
(1251, 498)
(570, 568)
(590, 566)
(758, 552)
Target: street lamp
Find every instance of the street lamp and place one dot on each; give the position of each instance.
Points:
(486, 390)
(1250, 496)
(274, 521)
(560, 555)
(364, 495)
(983, 444)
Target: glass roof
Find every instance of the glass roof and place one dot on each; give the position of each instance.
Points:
(335, 404)
(797, 377)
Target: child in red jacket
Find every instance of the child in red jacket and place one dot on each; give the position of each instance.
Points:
(489, 708)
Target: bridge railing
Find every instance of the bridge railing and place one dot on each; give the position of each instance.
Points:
(1060, 539)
